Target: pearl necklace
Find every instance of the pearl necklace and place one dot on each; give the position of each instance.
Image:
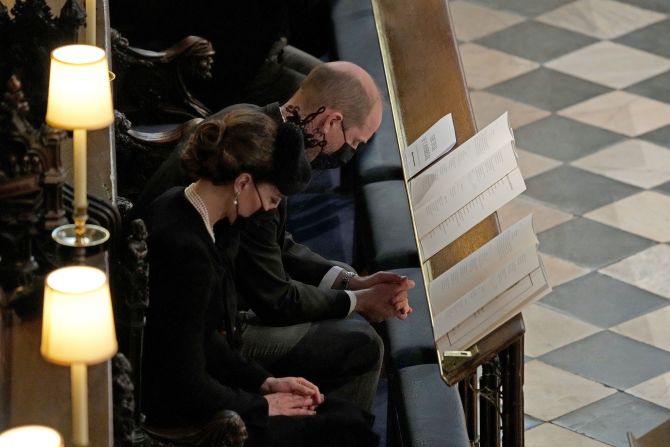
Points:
(199, 206)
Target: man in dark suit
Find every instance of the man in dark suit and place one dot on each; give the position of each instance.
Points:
(300, 302)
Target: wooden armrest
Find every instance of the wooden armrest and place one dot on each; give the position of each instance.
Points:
(167, 137)
(140, 153)
(226, 429)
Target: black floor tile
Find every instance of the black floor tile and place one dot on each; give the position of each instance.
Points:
(563, 139)
(536, 41)
(664, 188)
(575, 190)
(653, 5)
(653, 38)
(603, 301)
(611, 359)
(530, 422)
(654, 88)
(609, 419)
(590, 244)
(659, 136)
(548, 89)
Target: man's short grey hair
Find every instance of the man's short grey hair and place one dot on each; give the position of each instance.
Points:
(340, 90)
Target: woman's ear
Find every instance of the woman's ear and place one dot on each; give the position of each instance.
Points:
(242, 182)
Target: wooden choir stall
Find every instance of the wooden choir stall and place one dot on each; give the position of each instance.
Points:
(410, 49)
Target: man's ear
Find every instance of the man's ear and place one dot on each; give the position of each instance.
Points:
(242, 182)
(331, 120)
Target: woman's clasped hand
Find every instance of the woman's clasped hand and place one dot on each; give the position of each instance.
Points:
(291, 396)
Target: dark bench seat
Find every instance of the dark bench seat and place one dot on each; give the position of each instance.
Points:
(410, 342)
(427, 412)
(388, 237)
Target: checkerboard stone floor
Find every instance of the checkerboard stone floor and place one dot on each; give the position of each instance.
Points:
(587, 84)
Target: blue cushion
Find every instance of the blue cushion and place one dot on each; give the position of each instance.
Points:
(429, 412)
(391, 243)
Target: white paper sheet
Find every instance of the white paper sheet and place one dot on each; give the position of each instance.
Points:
(463, 159)
(491, 257)
(472, 213)
(492, 288)
(430, 146)
(500, 310)
(445, 198)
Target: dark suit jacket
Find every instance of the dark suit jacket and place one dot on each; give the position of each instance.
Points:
(276, 277)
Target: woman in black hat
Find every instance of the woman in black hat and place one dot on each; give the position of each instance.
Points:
(244, 162)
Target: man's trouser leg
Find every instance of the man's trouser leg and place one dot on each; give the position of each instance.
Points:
(342, 357)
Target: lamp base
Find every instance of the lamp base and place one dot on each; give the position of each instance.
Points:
(93, 235)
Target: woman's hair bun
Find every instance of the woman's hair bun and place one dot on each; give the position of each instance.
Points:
(210, 134)
(248, 140)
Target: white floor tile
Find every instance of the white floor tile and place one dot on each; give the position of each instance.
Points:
(603, 19)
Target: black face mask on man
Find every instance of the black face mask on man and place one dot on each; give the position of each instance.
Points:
(322, 161)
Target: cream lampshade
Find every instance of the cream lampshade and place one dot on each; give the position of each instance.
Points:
(80, 99)
(31, 435)
(78, 322)
(80, 94)
(78, 330)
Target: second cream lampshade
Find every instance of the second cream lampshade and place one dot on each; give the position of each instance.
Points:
(31, 435)
(78, 330)
(78, 321)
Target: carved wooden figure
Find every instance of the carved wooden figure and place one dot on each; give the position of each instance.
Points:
(151, 87)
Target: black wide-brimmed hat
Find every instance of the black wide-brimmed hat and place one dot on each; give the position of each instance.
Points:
(291, 170)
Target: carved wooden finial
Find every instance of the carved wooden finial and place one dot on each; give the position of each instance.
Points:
(197, 52)
(34, 12)
(72, 16)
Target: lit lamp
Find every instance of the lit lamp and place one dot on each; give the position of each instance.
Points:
(31, 435)
(78, 330)
(80, 99)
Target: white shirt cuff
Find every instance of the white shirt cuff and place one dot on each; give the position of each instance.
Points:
(328, 281)
(352, 297)
(329, 278)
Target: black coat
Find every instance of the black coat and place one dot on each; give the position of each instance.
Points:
(190, 370)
